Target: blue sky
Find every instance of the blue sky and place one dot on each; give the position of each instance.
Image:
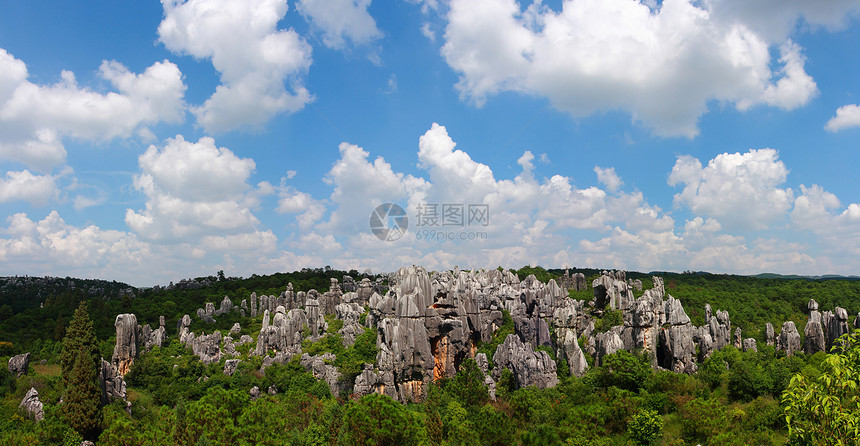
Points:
(149, 142)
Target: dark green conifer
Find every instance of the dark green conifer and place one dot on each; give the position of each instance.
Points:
(79, 362)
(79, 336)
(81, 406)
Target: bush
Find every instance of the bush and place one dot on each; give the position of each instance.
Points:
(645, 427)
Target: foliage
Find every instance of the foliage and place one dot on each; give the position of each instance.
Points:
(645, 427)
(83, 398)
(609, 319)
(826, 410)
(377, 419)
(79, 337)
(624, 370)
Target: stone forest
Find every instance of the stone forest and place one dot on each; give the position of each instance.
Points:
(449, 357)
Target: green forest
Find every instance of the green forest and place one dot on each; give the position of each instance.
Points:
(736, 397)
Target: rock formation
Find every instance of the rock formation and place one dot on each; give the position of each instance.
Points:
(530, 368)
(230, 366)
(32, 405)
(127, 344)
(789, 339)
(18, 364)
(112, 384)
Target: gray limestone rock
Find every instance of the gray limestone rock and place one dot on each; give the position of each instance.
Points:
(320, 367)
(207, 347)
(112, 384)
(230, 366)
(678, 350)
(254, 392)
(183, 328)
(529, 367)
(738, 340)
(32, 405)
(769, 335)
(789, 339)
(750, 345)
(284, 335)
(235, 329)
(18, 364)
(569, 345)
(226, 306)
(127, 343)
(608, 343)
(815, 340)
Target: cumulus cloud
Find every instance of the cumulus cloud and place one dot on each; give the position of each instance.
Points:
(38, 190)
(661, 64)
(34, 118)
(255, 59)
(739, 190)
(847, 116)
(608, 178)
(529, 219)
(195, 190)
(341, 20)
(51, 245)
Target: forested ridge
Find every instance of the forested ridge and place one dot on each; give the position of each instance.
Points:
(735, 397)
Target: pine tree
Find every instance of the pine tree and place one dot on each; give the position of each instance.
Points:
(82, 404)
(79, 364)
(79, 336)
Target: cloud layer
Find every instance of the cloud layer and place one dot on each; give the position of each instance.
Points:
(661, 64)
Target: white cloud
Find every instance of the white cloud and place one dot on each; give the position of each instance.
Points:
(38, 190)
(428, 32)
(254, 57)
(847, 116)
(739, 190)
(192, 190)
(35, 118)
(608, 178)
(662, 65)
(341, 20)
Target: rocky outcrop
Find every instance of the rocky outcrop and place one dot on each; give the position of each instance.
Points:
(153, 338)
(320, 366)
(183, 328)
(530, 368)
(18, 364)
(835, 325)
(207, 347)
(32, 405)
(230, 366)
(750, 345)
(789, 339)
(127, 343)
(611, 289)
(350, 314)
(769, 335)
(815, 340)
(111, 382)
(284, 334)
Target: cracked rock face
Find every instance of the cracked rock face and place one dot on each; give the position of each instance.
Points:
(112, 383)
(529, 367)
(32, 405)
(127, 343)
(18, 364)
(789, 339)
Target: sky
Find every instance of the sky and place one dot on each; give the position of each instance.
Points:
(148, 142)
